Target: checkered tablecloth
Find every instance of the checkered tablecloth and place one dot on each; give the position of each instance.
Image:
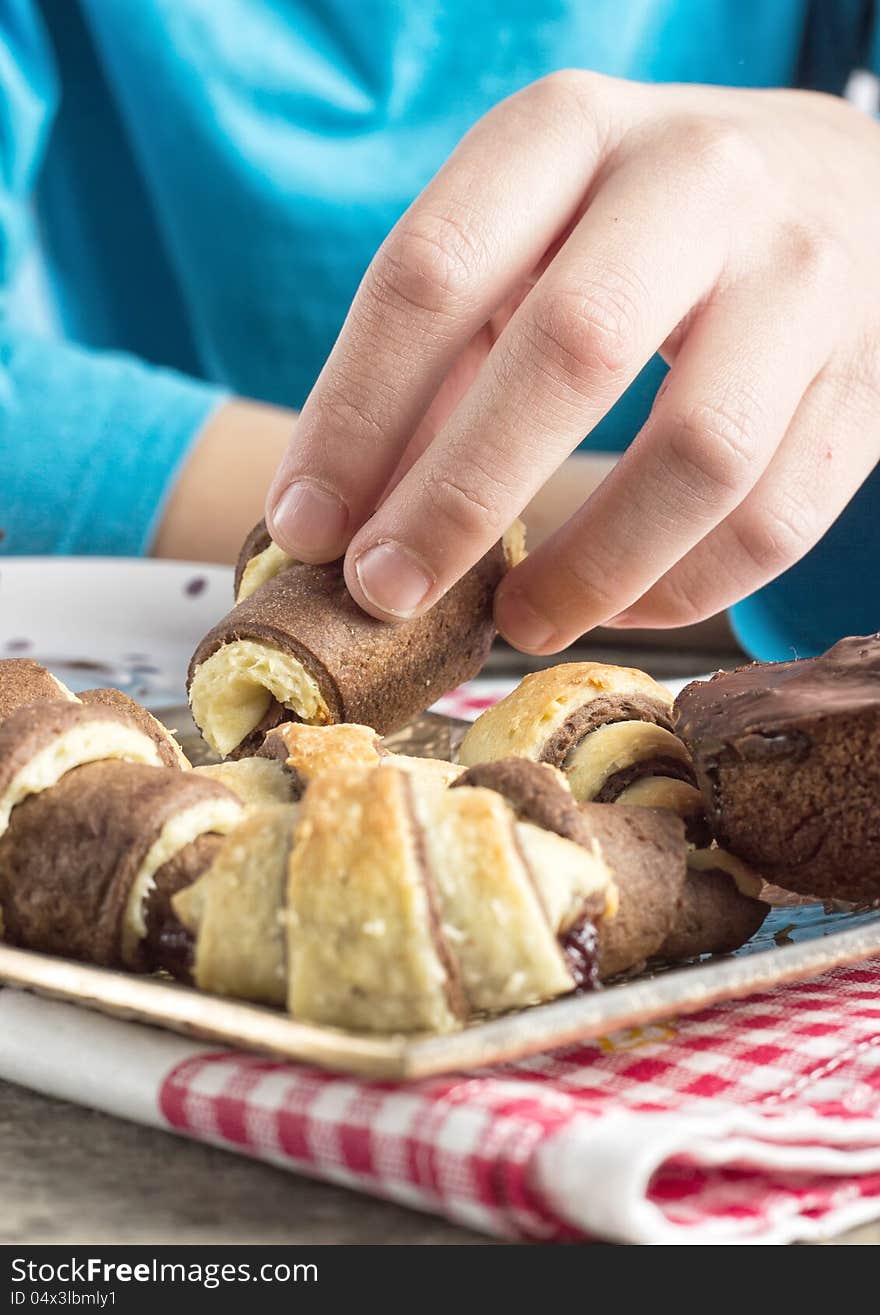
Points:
(752, 1121)
(756, 1121)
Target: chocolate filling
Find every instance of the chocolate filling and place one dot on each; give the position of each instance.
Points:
(657, 766)
(580, 948)
(769, 705)
(167, 943)
(602, 711)
(274, 747)
(534, 794)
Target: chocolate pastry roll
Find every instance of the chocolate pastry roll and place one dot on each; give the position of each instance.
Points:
(666, 910)
(609, 729)
(170, 751)
(24, 681)
(257, 782)
(79, 861)
(300, 649)
(306, 751)
(406, 908)
(787, 755)
(719, 909)
(42, 741)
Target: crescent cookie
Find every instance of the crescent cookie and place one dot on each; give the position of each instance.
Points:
(609, 729)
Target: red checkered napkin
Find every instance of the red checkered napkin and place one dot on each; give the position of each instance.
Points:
(754, 1121)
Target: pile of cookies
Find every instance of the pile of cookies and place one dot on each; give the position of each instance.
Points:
(590, 826)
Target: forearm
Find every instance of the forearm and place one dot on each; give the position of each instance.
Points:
(220, 490)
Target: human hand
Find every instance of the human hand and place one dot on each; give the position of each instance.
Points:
(580, 227)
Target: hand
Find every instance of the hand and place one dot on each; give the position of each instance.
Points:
(580, 227)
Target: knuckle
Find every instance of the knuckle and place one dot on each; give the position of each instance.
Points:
(718, 145)
(812, 253)
(557, 91)
(428, 265)
(344, 414)
(469, 508)
(680, 601)
(582, 332)
(586, 584)
(567, 101)
(710, 451)
(773, 537)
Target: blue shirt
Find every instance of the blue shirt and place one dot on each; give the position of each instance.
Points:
(209, 179)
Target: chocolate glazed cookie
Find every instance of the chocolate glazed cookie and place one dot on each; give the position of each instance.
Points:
(299, 648)
(788, 759)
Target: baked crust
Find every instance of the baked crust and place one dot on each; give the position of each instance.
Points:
(362, 941)
(306, 751)
(235, 912)
(718, 910)
(645, 851)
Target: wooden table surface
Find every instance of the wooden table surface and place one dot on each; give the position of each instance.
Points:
(72, 1175)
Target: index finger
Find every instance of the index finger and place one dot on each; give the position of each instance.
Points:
(475, 233)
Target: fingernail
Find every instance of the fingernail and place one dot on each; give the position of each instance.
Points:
(393, 578)
(310, 520)
(521, 624)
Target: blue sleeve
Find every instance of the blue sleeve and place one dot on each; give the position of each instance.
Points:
(90, 443)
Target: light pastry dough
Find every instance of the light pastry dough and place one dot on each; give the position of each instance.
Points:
(408, 908)
(258, 782)
(307, 751)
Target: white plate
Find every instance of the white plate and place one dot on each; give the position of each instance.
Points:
(128, 622)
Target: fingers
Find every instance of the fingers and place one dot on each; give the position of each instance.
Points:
(477, 230)
(831, 447)
(728, 400)
(628, 273)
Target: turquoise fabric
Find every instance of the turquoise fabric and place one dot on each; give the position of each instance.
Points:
(209, 179)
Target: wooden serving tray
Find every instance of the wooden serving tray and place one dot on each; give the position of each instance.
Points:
(798, 941)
